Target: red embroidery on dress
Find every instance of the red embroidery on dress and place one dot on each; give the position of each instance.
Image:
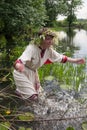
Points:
(42, 52)
(64, 59)
(48, 61)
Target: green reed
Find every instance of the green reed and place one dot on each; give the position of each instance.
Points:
(69, 74)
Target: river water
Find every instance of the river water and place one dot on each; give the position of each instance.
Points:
(78, 40)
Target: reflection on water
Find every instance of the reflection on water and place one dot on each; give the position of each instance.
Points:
(79, 40)
(76, 41)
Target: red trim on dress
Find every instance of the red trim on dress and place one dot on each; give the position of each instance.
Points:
(64, 59)
(33, 97)
(42, 52)
(48, 61)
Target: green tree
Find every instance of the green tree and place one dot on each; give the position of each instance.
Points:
(18, 17)
(61, 7)
(72, 6)
(53, 8)
(17, 14)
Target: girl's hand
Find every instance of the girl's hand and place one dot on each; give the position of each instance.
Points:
(80, 61)
(19, 67)
(76, 60)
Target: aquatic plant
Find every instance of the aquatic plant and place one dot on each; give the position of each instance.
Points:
(72, 75)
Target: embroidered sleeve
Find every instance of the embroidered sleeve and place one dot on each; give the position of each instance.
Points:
(64, 59)
(55, 56)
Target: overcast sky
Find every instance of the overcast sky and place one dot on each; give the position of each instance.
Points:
(81, 13)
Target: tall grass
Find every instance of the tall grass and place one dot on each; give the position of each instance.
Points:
(68, 74)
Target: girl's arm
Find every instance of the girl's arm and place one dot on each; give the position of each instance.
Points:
(76, 60)
(73, 60)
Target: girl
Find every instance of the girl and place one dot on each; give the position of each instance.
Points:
(35, 55)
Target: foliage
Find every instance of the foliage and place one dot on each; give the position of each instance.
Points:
(26, 116)
(17, 14)
(53, 9)
(70, 75)
(72, 6)
(70, 128)
(22, 128)
(2, 42)
(5, 126)
(70, 19)
(84, 125)
(17, 20)
(66, 8)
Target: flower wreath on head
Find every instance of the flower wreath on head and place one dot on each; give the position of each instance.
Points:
(42, 34)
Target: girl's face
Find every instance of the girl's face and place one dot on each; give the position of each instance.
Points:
(47, 42)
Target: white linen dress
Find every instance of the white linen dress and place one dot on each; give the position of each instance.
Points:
(31, 58)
